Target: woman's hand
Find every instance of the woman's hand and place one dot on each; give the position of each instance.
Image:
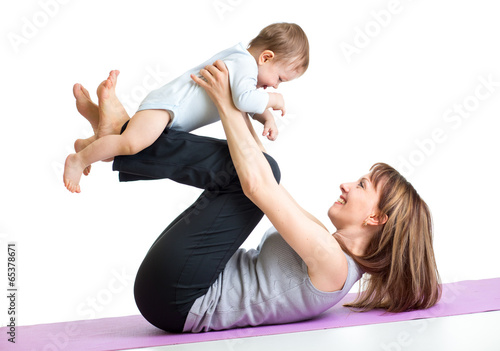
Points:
(215, 80)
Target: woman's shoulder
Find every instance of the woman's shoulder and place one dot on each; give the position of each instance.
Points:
(331, 271)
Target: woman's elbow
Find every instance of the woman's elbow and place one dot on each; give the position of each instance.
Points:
(251, 186)
(259, 184)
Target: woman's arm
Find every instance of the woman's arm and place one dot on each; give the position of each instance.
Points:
(252, 131)
(325, 260)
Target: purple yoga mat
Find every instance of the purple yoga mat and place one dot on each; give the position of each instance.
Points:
(123, 333)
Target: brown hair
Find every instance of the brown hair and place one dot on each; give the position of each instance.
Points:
(399, 260)
(287, 40)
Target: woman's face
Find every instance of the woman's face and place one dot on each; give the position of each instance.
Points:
(357, 202)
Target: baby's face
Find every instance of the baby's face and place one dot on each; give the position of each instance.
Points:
(272, 73)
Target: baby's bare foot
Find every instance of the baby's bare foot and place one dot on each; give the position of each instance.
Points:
(112, 114)
(73, 169)
(85, 106)
(81, 144)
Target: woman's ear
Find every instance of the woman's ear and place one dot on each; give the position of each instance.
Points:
(266, 56)
(376, 219)
(382, 219)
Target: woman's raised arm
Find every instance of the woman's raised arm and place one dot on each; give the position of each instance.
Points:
(327, 265)
(242, 145)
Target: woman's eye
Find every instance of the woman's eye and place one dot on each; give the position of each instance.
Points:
(361, 185)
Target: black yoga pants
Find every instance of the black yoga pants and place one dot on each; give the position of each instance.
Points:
(192, 251)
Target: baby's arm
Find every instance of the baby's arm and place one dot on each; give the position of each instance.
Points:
(247, 98)
(243, 80)
(270, 127)
(276, 102)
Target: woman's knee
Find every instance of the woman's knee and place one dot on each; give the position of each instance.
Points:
(158, 305)
(274, 166)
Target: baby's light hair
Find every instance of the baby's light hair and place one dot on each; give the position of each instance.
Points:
(287, 40)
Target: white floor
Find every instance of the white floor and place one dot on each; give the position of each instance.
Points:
(477, 332)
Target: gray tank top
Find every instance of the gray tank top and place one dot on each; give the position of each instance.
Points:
(267, 285)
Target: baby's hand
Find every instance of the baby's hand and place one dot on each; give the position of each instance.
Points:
(270, 129)
(276, 102)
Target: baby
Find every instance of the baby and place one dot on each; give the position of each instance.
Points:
(280, 53)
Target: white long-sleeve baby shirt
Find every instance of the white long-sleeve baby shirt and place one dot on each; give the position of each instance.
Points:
(190, 105)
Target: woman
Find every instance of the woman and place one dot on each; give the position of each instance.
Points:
(194, 278)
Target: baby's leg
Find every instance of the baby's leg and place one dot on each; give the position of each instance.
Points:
(88, 109)
(144, 128)
(142, 131)
(81, 144)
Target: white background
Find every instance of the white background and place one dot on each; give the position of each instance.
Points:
(410, 64)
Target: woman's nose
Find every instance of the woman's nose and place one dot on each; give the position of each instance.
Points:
(344, 187)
